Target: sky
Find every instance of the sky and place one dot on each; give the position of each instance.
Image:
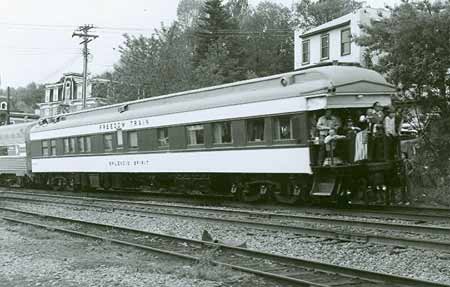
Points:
(36, 43)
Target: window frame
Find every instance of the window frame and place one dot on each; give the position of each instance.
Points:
(111, 141)
(349, 42)
(276, 131)
(66, 146)
(84, 144)
(308, 42)
(87, 147)
(72, 145)
(160, 139)
(188, 137)
(119, 138)
(213, 127)
(134, 147)
(324, 36)
(45, 147)
(52, 147)
(81, 144)
(247, 130)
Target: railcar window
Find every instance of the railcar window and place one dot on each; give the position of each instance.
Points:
(53, 147)
(3, 150)
(81, 144)
(66, 145)
(108, 142)
(255, 130)
(195, 134)
(88, 144)
(71, 145)
(163, 137)
(222, 132)
(132, 139)
(346, 39)
(282, 128)
(45, 148)
(119, 138)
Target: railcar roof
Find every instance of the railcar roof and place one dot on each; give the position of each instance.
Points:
(14, 134)
(305, 83)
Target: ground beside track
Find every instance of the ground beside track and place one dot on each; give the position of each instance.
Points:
(36, 257)
(422, 264)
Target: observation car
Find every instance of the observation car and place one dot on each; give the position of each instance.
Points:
(251, 139)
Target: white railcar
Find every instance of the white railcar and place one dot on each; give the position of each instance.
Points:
(258, 129)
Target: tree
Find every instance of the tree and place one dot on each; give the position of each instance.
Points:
(314, 13)
(152, 66)
(412, 46)
(267, 34)
(215, 34)
(25, 98)
(188, 12)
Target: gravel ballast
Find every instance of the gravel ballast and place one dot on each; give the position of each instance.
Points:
(36, 257)
(421, 264)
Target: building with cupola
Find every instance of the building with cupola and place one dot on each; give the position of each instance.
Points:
(8, 117)
(66, 95)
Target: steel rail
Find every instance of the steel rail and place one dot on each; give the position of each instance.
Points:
(376, 278)
(298, 230)
(413, 228)
(376, 211)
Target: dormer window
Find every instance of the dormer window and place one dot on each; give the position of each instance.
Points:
(305, 52)
(346, 41)
(325, 47)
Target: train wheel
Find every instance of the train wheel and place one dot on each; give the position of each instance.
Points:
(253, 191)
(289, 193)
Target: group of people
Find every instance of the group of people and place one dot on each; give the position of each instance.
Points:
(374, 137)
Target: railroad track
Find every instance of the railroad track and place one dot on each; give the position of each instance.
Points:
(400, 212)
(294, 271)
(260, 220)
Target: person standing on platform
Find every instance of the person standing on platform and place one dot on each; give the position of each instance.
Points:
(390, 132)
(324, 124)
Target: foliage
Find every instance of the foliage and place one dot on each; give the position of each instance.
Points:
(268, 39)
(314, 13)
(25, 99)
(188, 12)
(212, 42)
(217, 45)
(412, 46)
(152, 66)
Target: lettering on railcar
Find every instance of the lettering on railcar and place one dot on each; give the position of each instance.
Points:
(123, 124)
(127, 163)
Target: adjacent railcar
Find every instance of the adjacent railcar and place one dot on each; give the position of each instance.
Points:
(15, 161)
(250, 138)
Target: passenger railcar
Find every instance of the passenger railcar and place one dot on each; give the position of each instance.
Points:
(15, 161)
(250, 138)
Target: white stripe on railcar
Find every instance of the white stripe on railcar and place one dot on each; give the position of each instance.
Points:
(288, 105)
(282, 160)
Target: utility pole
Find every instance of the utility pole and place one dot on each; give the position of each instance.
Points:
(7, 106)
(83, 33)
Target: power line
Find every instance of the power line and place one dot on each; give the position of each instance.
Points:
(120, 29)
(61, 68)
